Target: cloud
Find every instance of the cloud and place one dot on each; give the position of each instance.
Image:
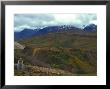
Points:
(33, 21)
(85, 19)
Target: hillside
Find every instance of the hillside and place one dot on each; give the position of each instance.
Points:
(71, 52)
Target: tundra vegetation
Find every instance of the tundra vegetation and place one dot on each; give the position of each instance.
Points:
(58, 54)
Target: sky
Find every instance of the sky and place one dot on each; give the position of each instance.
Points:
(33, 21)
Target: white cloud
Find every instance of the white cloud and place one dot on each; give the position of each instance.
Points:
(22, 21)
(93, 22)
(20, 28)
(65, 18)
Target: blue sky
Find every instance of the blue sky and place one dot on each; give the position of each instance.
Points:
(33, 21)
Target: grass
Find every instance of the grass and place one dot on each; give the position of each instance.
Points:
(69, 52)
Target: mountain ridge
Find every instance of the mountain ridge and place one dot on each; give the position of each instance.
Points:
(28, 33)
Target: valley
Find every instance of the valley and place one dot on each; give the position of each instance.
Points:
(68, 53)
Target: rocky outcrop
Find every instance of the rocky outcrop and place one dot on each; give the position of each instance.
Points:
(18, 46)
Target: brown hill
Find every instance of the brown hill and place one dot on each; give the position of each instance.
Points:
(75, 53)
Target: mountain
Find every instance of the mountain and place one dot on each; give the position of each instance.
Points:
(28, 33)
(90, 28)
